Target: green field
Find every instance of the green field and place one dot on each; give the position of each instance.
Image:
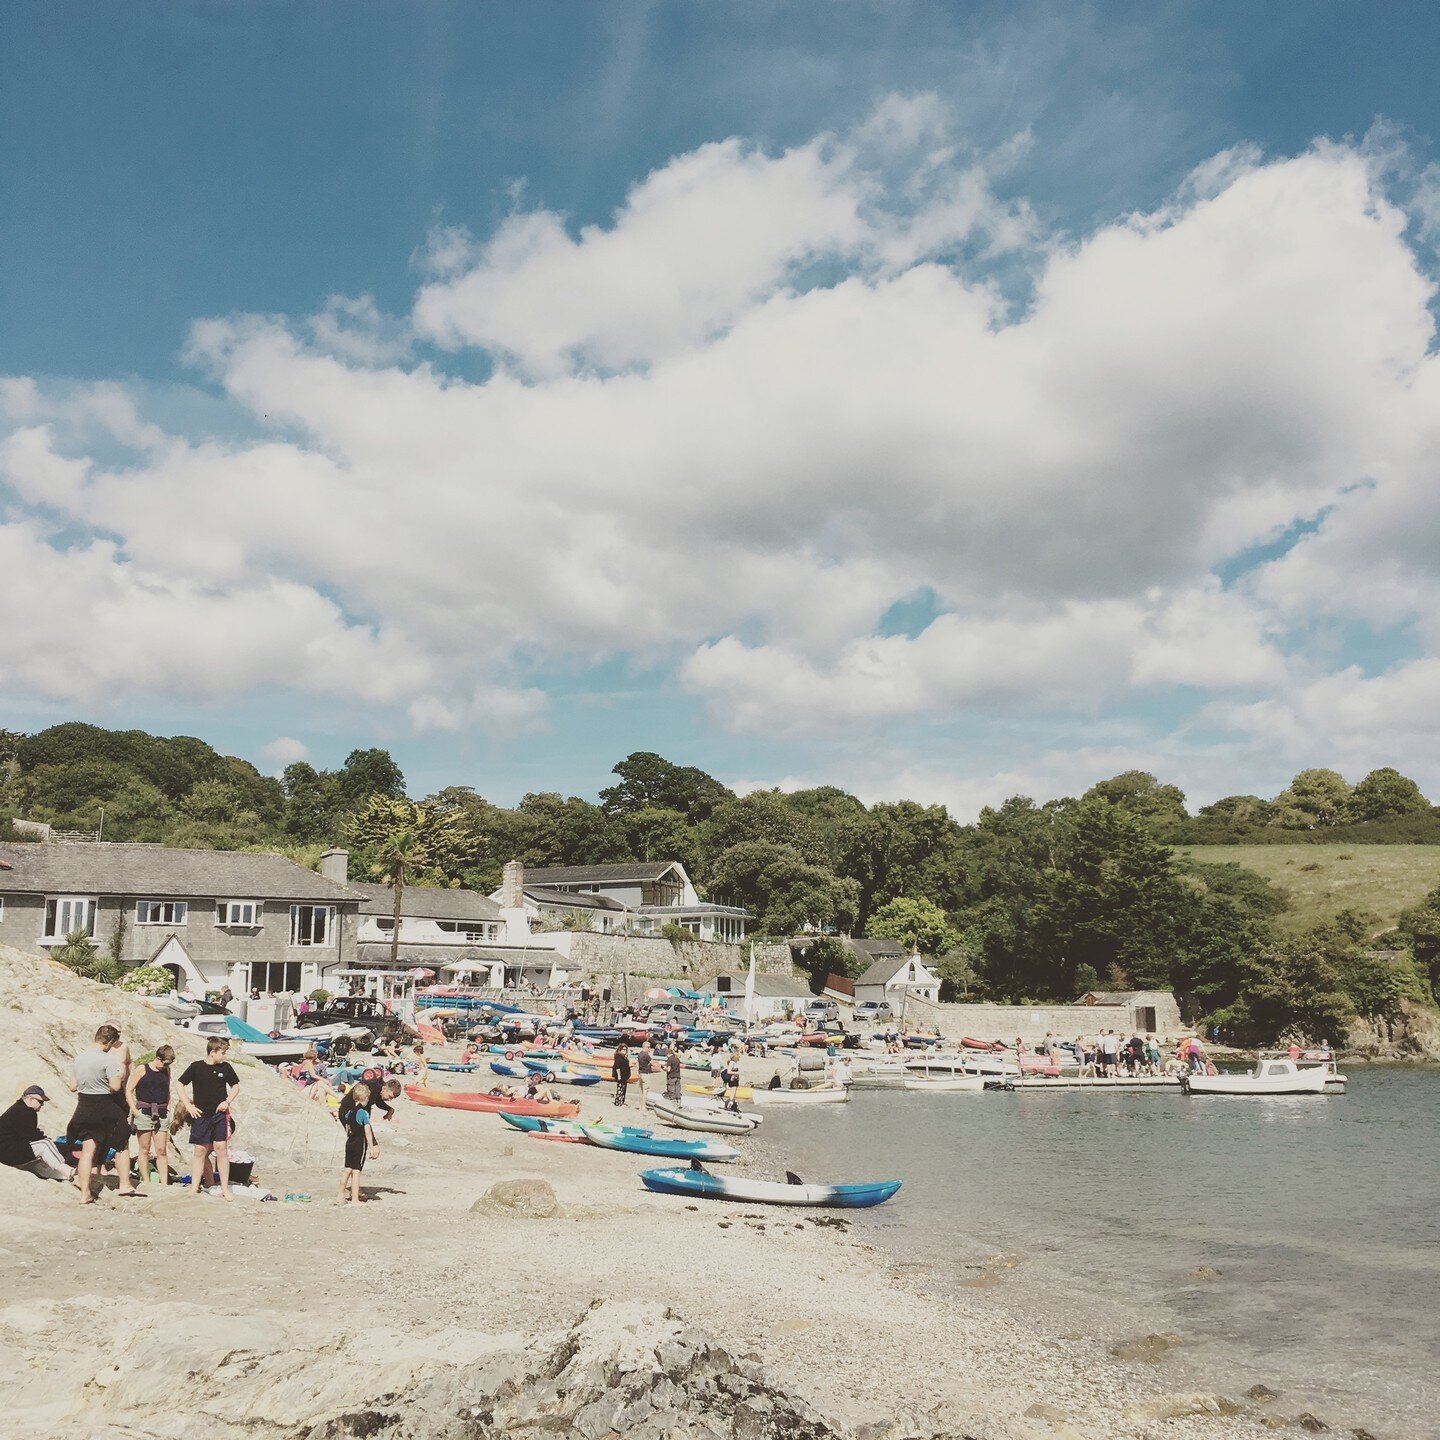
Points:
(1322, 880)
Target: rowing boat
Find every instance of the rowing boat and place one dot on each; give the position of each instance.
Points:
(715, 1121)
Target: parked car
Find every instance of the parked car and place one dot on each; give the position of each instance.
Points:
(361, 1010)
(672, 1014)
(868, 1012)
(818, 1011)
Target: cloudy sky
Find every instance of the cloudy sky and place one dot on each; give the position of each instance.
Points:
(937, 400)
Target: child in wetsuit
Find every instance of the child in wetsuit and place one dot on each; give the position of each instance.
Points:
(360, 1140)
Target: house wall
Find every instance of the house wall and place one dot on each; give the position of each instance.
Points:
(375, 930)
(219, 956)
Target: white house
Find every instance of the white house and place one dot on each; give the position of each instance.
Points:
(638, 897)
(776, 996)
(891, 977)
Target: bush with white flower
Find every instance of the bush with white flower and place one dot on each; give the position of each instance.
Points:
(147, 980)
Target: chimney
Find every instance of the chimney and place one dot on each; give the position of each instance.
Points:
(512, 886)
(335, 865)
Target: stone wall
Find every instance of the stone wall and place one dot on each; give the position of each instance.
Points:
(604, 958)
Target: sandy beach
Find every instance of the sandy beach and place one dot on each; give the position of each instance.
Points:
(156, 1317)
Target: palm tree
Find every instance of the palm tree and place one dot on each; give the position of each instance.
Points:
(406, 841)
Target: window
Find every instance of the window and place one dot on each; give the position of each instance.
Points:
(469, 932)
(312, 924)
(239, 914)
(65, 914)
(271, 977)
(160, 912)
(385, 924)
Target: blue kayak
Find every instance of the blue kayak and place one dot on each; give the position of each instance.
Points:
(453, 1065)
(767, 1192)
(659, 1145)
(510, 1069)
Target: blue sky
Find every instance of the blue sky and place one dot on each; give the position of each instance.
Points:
(467, 352)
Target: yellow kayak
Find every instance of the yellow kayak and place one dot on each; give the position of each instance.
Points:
(744, 1092)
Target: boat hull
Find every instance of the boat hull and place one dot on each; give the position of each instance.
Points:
(491, 1104)
(820, 1095)
(767, 1192)
(713, 1122)
(965, 1084)
(1305, 1083)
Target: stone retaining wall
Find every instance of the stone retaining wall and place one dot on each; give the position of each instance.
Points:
(1030, 1022)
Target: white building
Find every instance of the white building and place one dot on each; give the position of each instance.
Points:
(776, 996)
(891, 977)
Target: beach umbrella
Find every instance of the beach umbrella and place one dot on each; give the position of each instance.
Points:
(656, 993)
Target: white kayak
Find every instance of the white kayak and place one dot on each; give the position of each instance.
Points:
(1269, 1077)
(767, 1192)
(820, 1095)
(712, 1120)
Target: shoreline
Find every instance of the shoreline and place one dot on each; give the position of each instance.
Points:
(846, 1327)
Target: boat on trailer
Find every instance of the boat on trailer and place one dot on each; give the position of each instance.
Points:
(1269, 1077)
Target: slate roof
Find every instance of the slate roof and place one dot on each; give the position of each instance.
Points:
(875, 949)
(150, 871)
(597, 874)
(1108, 997)
(772, 987)
(426, 902)
(572, 898)
(884, 970)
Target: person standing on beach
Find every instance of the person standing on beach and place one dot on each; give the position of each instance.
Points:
(213, 1086)
(360, 1141)
(672, 1073)
(422, 1067)
(621, 1070)
(644, 1065)
(99, 1077)
(147, 1097)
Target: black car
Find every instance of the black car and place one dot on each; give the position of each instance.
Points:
(359, 1010)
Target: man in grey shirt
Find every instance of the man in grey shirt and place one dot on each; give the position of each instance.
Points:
(98, 1123)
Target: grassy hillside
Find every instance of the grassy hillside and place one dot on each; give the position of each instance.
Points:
(1322, 880)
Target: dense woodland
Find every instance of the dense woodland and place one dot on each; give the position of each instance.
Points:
(1031, 902)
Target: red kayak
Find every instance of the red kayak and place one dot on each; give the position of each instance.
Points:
(970, 1044)
(471, 1100)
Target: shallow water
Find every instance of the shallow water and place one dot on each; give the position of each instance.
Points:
(1322, 1215)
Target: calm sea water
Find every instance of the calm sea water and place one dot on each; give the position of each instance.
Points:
(1322, 1215)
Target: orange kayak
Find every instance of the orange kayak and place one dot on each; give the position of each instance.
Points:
(470, 1100)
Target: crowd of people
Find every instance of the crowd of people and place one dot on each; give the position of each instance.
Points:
(128, 1117)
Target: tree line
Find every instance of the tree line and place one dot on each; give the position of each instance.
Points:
(1030, 902)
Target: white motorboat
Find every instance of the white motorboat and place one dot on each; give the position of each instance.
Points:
(172, 1006)
(1269, 1077)
(712, 1119)
(817, 1095)
(324, 1034)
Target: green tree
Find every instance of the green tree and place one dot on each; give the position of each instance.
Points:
(78, 952)
(1419, 928)
(785, 890)
(901, 849)
(918, 922)
(311, 802)
(556, 831)
(407, 842)
(762, 817)
(1295, 987)
(1139, 792)
(650, 782)
(1314, 799)
(212, 801)
(658, 834)
(368, 773)
(1386, 794)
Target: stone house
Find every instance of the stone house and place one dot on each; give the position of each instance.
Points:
(210, 917)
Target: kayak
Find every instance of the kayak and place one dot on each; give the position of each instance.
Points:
(553, 1071)
(767, 1192)
(493, 1104)
(540, 1125)
(659, 1145)
(714, 1121)
(454, 1066)
(744, 1092)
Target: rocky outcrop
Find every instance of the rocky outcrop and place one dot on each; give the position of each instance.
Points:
(1413, 1035)
(527, 1199)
